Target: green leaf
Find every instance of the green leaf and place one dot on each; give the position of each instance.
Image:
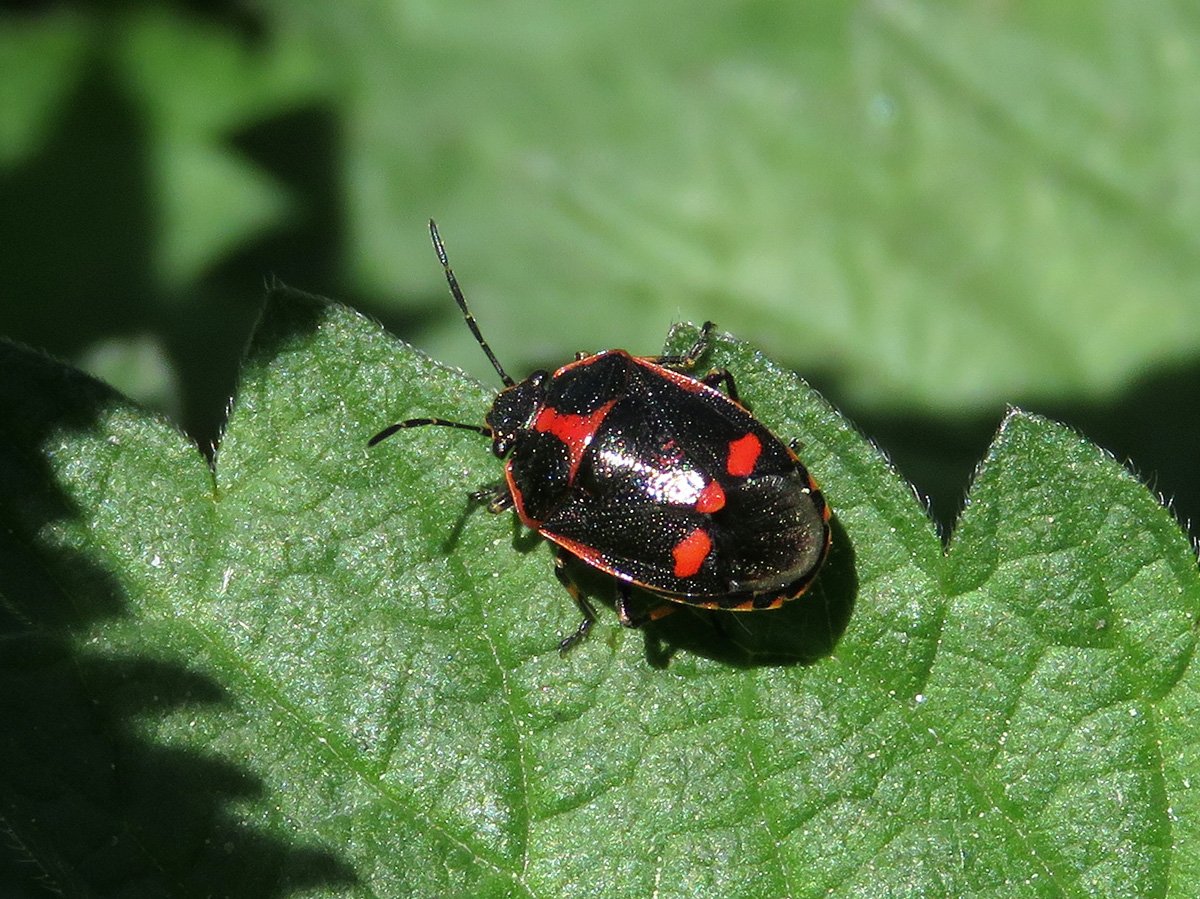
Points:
(320, 671)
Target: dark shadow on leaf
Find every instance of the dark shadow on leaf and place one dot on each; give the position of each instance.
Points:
(231, 15)
(471, 506)
(85, 236)
(90, 802)
(524, 540)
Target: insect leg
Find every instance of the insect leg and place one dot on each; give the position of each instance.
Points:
(589, 614)
(722, 376)
(687, 361)
(497, 498)
(629, 618)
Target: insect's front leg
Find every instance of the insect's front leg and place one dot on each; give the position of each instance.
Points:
(722, 376)
(687, 361)
(497, 498)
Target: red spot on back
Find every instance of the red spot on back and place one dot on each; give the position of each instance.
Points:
(690, 552)
(743, 455)
(711, 498)
(576, 431)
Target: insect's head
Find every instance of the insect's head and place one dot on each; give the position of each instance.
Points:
(514, 410)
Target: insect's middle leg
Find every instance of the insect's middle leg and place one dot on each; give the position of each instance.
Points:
(589, 614)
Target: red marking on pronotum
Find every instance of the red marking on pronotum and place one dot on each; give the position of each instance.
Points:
(576, 431)
(690, 552)
(711, 498)
(743, 455)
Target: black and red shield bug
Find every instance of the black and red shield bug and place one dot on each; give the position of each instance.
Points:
(636, 468)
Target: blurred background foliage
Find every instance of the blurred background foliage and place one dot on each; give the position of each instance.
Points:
(930, 210)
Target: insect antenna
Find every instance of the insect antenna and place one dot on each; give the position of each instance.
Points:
(421, 422)
(456, 291)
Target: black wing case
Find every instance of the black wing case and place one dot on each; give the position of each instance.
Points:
(635, 509)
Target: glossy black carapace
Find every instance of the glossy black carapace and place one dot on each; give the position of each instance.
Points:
(656, 477)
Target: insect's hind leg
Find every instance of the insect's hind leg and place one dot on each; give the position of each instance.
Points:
(629, 618)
